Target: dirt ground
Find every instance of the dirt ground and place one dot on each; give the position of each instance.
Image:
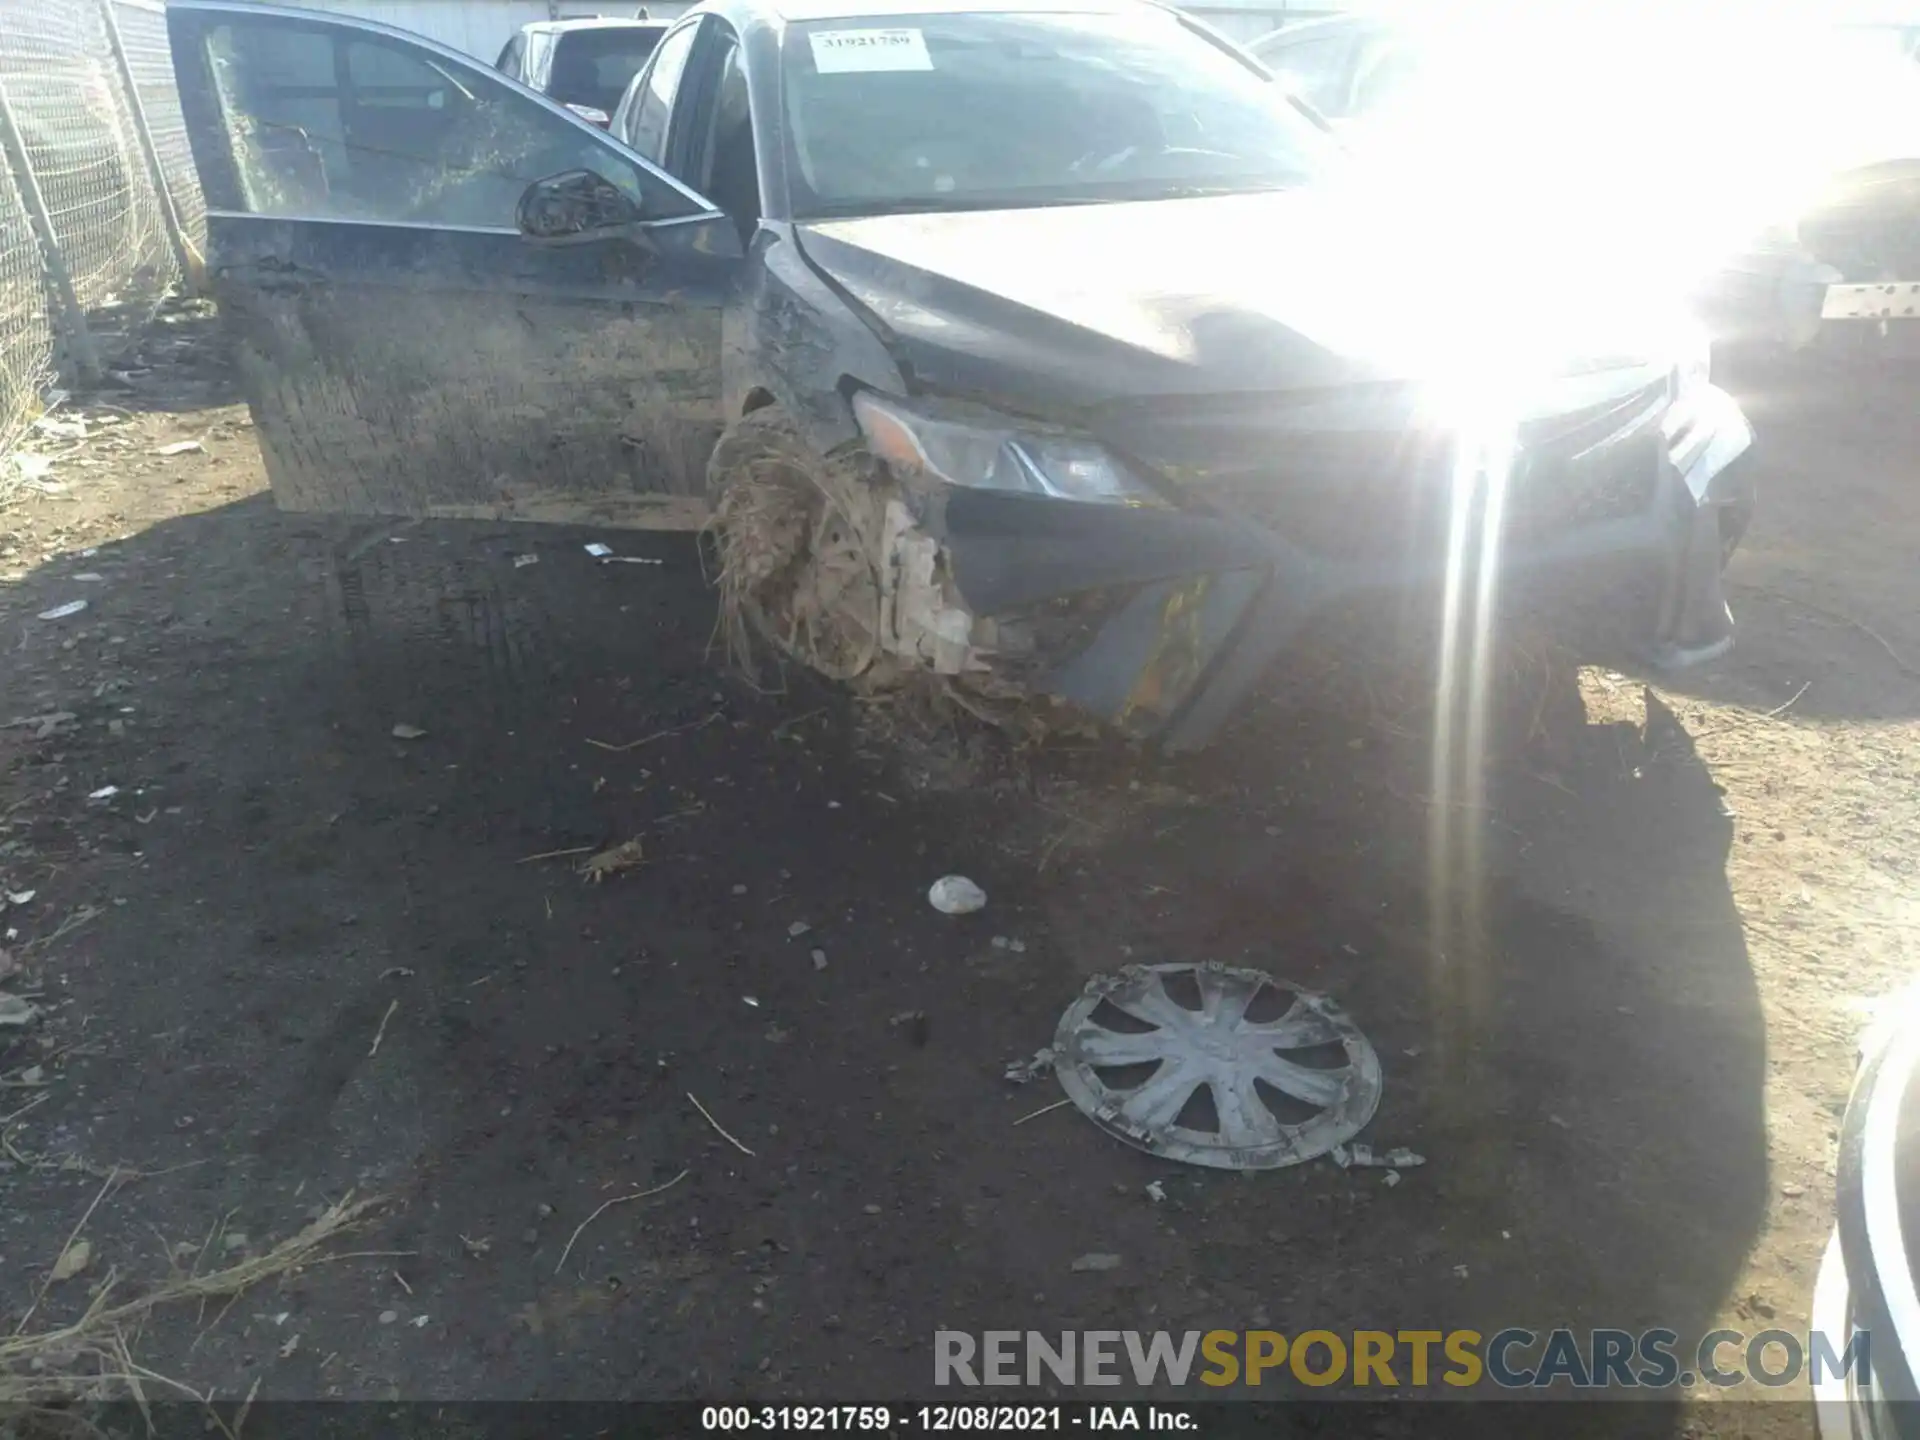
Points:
(289, 955)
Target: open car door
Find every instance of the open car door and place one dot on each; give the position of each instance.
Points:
(405, 348)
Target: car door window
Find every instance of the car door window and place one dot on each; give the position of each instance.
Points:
(647, 124)
(727, 171)
(509, 61)
(333, 122)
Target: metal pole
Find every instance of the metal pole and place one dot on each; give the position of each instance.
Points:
(193, 269)
(70, 319)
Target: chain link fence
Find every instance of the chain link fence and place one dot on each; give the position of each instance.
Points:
(100, 210)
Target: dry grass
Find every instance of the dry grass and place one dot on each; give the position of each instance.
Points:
(89, 1360)
(760, 531)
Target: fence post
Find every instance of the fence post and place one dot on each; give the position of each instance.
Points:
(192, 267)
(69, 319)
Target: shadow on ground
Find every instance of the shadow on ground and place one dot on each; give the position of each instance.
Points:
(1820, 596)
(328, 959)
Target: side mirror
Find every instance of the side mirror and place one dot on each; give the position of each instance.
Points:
(574, 207)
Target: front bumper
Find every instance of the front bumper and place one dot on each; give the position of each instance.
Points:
(1201, 606)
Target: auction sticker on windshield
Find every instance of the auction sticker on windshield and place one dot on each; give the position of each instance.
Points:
(839, 52)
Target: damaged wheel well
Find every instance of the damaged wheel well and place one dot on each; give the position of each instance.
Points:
(822, 556)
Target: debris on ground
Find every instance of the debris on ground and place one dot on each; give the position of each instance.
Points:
(1207, 1042)
(599, 551)
(1096, 1261)
(956, 895)
(520, 562)
(180, 447)
(914, 1025)
(105, 792)
(797, 929)
(1363, 1156)
(607, 1205)
(1025, 1072)
(819, 959)
(61, 612)
(1156, 1192)
(44, 727)
(404, 731)
(707, 1115)
(74, 1259)
(627, 855)
(87, 1359)
(1390, 1179)
(381, 1033)
(16, 1013)
(16, 897)
(1043, 1110)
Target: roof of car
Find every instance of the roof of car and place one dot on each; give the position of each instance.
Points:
(595, 22)
(1320, 25)
(778, 11)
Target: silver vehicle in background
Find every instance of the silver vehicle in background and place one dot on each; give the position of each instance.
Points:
(584, 64)
(1828, 108)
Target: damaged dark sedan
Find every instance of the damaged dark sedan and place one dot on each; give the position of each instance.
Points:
(1031, 345)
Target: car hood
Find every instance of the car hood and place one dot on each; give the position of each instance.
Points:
(1064, 309)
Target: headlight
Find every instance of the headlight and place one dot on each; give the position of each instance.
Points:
(981, 450)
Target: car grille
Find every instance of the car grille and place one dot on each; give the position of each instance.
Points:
(1381, 497)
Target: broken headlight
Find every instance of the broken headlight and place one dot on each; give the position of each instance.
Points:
(982, 450)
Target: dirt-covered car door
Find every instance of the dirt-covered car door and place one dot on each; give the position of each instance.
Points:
(405, 348)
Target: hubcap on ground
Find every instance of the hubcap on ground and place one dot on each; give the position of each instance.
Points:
(1268, 1107)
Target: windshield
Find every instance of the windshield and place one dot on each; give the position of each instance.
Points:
(959, 111)
(592, 67)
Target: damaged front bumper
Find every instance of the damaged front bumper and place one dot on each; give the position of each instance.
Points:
(1160, 621)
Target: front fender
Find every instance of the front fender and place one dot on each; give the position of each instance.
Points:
(790, 337)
